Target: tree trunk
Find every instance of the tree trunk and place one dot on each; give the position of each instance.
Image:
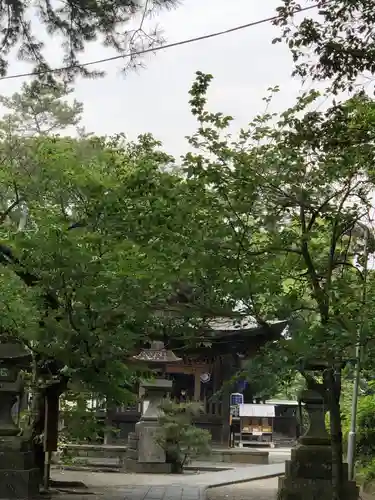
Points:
(333, 383)
(36, 426)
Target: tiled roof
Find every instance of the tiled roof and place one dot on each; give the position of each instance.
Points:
(239, 324)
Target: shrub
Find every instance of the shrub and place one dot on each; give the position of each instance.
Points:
(81, 426)
(365, 446)
(366, 473)
(180, 439)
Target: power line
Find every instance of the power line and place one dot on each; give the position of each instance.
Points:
(155, 49)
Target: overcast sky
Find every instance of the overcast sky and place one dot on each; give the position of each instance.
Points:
(155, 99)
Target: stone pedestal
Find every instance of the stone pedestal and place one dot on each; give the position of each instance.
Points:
(308, 475)
(144, 454)
(18, 477)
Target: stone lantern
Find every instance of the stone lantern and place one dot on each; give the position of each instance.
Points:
(144, 453)
(18, 476)
(308, 475)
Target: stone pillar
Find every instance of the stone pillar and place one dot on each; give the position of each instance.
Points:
(144, 454)
(308, 475)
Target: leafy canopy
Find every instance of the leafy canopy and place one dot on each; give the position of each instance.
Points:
(94, 247)
(337, 45)
(293, 191)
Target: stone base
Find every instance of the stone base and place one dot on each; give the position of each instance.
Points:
(21, 484)
(144, 454)
(146, 467)
(149, 451)
(308, 475)
(239, 456)
(291, 488)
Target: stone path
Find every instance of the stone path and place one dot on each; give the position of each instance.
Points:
(116, 486)
(172, 492)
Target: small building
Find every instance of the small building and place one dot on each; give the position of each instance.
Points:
(271, 423)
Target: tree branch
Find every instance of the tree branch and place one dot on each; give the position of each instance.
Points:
(350, 265)
(318, 292)
(273, 249)
(6, 212)
(334, 238)
(313, 384)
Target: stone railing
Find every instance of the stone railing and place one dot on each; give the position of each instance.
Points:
(114, 456)
(92, 454)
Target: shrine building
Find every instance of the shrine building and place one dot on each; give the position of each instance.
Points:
(205, 370)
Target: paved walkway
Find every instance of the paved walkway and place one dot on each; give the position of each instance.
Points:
(116, 486)
(172, 492)
(166, 487)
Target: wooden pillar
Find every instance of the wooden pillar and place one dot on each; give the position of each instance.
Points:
(228, 369)
(51, 431)
(197, 384)
(216, 385)
(225, 429)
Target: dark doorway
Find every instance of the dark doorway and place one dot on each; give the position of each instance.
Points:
(183, 387)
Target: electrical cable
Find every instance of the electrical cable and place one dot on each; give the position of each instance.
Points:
(154, 49)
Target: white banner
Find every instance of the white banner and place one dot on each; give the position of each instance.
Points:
(250, 410)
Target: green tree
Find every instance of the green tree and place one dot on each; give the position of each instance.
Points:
(270, 375)
(39, 110)
(339, 45)
(35, 111)
(94, 250)
(96, 283)
(75, 25)
(294, 190)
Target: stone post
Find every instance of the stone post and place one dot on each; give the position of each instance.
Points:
(151, 456)
(308, 475)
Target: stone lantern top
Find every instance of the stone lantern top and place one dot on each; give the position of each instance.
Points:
(13, 353)
(315, 365)
(157, 354)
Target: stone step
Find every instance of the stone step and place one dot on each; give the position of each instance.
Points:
(133, 454)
